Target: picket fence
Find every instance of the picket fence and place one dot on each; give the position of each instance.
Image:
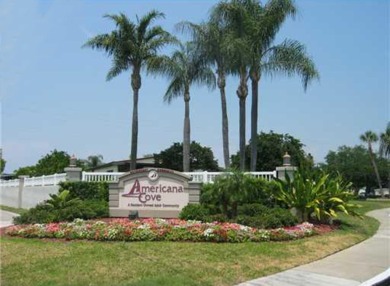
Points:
(53, 180)
(49, 180)
(200, 177)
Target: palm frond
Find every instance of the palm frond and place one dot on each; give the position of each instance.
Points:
(175, 89)
(145, 22)
(290, 58)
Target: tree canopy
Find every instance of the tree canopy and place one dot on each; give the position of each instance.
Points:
(201, 158)
(270, 150)
(354, 164)
(52, 163)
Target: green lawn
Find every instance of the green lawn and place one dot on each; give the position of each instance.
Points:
(45, 262)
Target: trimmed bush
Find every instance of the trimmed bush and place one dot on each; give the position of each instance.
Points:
(83, 200)
(231, 190)
(194, 212)
(252, 209)
(216, 217)
(86, 190)
(259, 216)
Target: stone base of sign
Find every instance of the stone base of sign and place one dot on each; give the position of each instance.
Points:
(152, 192)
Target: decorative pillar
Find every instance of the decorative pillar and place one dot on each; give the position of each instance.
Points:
(73, 173)
(20, 191)
(287, 168)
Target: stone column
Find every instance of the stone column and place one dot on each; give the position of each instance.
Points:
(20, 191)
(287, 168)
(73, 173)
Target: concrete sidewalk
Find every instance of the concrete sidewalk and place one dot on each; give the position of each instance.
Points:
(6, 218)
(349, 267)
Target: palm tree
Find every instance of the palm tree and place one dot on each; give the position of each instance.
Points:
(184, 68)
(384, 148)
(234, 15)
(94, 160)
(132, 46)
(370, 137)
(288, 58)
(211, 41)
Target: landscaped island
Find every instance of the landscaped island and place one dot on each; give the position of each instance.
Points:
(159, 230)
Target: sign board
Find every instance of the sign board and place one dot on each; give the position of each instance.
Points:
(153, 192)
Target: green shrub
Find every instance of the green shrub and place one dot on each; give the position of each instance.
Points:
(194, 212)
(259, 216)
(251, 221)
(278, 217)
(99, 208)
(216, 217)
(41, 213)
(86, 190)
(252, 210)
(62, 207)
(233, 189)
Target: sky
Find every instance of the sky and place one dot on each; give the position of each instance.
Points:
(54, 93)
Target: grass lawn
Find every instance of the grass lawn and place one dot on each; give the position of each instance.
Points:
(46, 262)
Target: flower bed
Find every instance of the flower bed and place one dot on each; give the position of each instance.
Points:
(158, 230)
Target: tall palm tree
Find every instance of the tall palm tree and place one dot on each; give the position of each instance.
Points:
(384, 148)
(184, 68)
(234, 15)
(287, 58)
(210, 40)
(132, 46)
(370, 137)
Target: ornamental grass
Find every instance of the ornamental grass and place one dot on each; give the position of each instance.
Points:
(158, 230)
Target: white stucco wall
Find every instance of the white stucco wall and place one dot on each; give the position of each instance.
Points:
(31, 196)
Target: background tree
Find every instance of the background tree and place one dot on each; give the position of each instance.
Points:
(93, 161)
(384, 149)
(271, 147)
(184, 68)
(52, 163)
(2, 165)
(370, 137)
(201, 158)
(132, 46)
(354, 164)
(25, 171)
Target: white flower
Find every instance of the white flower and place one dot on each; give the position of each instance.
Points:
(208, 232)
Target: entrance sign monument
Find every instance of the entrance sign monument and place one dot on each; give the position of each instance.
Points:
(152, 192)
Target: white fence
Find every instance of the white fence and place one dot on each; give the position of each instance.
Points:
(100, 176)
(201, 177)
(50, 180)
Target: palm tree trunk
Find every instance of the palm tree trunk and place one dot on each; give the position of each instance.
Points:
(225, 123)
(136, 85)
(254, 118)
(186, 134)
(242, 133)
(375, 169)
(242, 93)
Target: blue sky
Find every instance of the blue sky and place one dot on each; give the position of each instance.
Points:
(54, 94)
